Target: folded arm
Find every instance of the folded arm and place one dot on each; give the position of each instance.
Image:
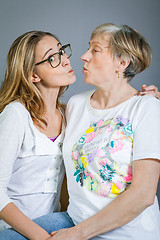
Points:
(21, 223)
(124, 208)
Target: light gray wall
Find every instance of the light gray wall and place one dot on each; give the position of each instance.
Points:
(73, 21)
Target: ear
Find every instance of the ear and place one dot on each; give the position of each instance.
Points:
(35, 78)
(123, 64)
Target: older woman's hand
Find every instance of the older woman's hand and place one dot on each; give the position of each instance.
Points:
(150, 90)
(51, 237)
(66, 234)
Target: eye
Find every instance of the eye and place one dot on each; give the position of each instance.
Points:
(51, 58)
(94, 51)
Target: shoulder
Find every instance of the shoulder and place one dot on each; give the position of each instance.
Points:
(80, 98)
(15, 111)
(148, 103)
(13, 119)
(16, 107)
(77, 103)
(147, 112)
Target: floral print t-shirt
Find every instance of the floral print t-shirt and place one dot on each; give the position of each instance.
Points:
(99, 148)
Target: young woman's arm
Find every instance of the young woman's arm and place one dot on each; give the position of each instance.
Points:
(124, 208)
(22, 224)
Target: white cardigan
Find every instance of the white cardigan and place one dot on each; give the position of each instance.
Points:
(31, 166)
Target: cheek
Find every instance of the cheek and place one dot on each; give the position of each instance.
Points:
(98, 71)
(55, 76)
(98, 66)
(49, 74)
(60, 79)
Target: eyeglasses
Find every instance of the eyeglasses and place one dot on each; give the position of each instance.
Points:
(55, 58)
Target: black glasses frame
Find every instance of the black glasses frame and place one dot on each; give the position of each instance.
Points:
(60, 53)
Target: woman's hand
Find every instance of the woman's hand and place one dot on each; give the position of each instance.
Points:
(150, 90)
(51, 237)
(67, 234)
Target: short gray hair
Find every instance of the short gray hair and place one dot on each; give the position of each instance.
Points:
(128, 44)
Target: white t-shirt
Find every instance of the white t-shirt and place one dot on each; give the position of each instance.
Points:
(31, 165)
(99, 148)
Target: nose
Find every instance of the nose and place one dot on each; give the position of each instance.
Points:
(86, 56)
(65, 60)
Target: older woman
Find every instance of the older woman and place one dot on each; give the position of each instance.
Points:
(111, 146)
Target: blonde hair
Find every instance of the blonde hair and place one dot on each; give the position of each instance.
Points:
(18, 85)
(128, 44)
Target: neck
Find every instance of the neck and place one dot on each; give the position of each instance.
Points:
(110, 96)
(50, 99)
(52, 115)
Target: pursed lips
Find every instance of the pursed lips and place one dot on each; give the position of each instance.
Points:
(84, 69)
(71, 71)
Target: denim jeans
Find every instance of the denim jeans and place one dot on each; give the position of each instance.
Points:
(51, 222)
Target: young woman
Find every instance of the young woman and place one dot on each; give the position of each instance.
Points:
(32, 130)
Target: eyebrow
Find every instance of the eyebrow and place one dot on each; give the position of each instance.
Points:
(100, 45)
(51, 49)
(95, 43)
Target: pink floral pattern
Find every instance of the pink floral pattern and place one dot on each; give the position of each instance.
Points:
(102, 157)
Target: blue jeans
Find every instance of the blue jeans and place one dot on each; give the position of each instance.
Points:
(51, 222)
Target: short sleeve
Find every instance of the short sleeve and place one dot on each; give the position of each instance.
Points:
(11, 138)
(146, 142)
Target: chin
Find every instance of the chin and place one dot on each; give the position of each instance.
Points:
(74, 78)
(71, 80)
(88, 81)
